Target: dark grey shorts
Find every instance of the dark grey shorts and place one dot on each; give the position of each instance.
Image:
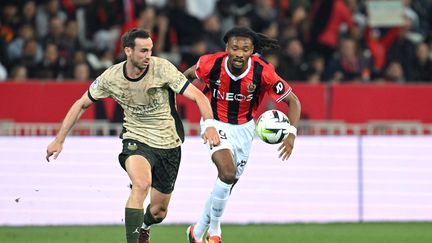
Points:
(165, 163)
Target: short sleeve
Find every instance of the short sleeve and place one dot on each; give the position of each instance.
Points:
(275, 86)
(176, 80)
(98, 89)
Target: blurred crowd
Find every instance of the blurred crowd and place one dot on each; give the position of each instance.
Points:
(321, 40)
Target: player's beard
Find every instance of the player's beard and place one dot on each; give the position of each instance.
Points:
(138, 64)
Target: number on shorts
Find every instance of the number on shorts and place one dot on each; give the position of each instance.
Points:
(222, 134)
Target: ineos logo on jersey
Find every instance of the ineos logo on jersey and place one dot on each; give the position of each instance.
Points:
(278, 87)
(231, 96)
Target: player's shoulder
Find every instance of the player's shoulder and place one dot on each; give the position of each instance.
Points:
(267, 67)
(213, 56)
(208, 60)
(259, 59)
(113, 70)
(160, 61)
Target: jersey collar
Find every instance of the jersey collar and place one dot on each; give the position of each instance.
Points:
(134, 79)
(241, 75)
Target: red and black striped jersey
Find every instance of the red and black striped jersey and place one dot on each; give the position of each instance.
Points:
(234, 99)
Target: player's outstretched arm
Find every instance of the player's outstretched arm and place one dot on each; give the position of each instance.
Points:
(190, 73)
(210, 134)
(73, 115)
(285, 149)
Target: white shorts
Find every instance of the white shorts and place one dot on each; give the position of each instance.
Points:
(237, 138)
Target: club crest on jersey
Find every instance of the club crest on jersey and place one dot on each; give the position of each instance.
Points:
(251, 88)
(132, 146)
(151, 91)
(279, 88)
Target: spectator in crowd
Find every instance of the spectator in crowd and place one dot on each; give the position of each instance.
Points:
(44, 13)
(55, 34)
(293, 66)
(158, 26)
(28, 14)
(100, 61)
(293, 25)
(30, 58)
(213, 33)
(420, 70)
(262, 15)
(15, 48)
(9, 16)
(103, 22)
(197, 49)
(52, 65)
(272, 57)
(70, 41)
(186, 26)
(81, 72)
(271, 29)
(394, 73)
(403, 49)
(348, 65)
(315, 71)
(19, 74)
(325, 20)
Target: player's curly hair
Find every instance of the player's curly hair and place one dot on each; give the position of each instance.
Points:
(128, 38)
(260, 41)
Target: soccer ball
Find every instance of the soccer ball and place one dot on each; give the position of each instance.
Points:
(272, 126)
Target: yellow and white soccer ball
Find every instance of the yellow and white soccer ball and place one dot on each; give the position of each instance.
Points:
(272, 126)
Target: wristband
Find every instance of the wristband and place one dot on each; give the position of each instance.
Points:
(209, 123)
(292, 130)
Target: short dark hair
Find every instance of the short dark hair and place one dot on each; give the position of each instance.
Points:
(128, 38)
(260, 41)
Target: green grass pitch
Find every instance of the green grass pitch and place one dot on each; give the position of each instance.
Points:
(290, 233)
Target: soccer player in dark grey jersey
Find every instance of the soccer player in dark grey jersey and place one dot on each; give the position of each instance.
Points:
(145, 87)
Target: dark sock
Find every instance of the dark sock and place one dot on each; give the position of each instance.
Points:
(133, 221)
(149, 219)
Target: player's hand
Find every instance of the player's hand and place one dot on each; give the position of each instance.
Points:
(285, 149)
(211, 136)
(54, 148)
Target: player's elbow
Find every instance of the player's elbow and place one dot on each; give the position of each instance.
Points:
(83, 103)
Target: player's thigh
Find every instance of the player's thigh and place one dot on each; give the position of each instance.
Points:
(137, 159)
(224, 160)
(139, 170)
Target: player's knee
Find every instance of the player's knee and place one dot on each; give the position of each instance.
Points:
(142, 185)
(227, 177)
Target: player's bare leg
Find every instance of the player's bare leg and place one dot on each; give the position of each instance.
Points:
(139, 171)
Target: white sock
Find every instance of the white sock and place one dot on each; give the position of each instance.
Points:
(204, 221)
(219, 200)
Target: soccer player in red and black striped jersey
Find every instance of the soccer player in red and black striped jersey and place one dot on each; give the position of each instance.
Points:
(236, 81)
